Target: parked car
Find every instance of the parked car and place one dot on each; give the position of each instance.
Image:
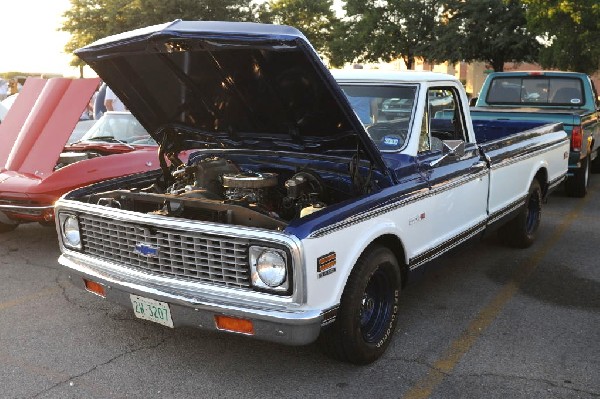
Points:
(293, 219)
(396, 108)
(3, 111)
(6, 104)
(569, 98)
(52, 154)
(9, 101)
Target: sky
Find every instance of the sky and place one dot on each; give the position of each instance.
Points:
(29, 38)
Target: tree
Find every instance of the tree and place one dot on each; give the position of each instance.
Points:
(493, 31)
(384, 30)
(90, 20)
(570, 30)
(315, 18)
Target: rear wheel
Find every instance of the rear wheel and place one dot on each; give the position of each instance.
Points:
(577, 185)
(595, 168)
(368, 312)
(521, 231)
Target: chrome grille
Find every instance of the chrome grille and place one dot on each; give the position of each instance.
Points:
(181, 254)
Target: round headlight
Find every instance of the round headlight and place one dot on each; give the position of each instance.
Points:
(271, 268)
(70, 229)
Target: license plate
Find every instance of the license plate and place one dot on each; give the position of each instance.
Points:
(149, 309)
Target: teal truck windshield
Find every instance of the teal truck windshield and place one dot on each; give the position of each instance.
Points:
(536, 90)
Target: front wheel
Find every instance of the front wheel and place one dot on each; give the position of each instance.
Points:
(368, 312)
(521, 231)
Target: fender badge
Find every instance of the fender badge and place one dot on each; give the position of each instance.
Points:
(146, 250)
(326, 264)
(417, 219)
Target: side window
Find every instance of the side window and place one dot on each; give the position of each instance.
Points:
(442, 119)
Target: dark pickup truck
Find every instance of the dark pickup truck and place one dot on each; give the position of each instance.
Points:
(569, 98)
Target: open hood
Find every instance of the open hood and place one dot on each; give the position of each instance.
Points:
(40, 122)
(230, 85)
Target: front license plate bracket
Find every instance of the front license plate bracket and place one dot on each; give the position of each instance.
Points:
(152, 310)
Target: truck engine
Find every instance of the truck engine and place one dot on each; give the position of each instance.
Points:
(216, 189)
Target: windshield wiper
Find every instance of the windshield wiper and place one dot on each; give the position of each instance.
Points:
(108, 139)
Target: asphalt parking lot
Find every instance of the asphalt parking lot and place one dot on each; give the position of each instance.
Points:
(483, 322)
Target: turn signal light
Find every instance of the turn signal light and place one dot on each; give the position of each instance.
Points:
(95, 287)
(234, 324)
(48, 215)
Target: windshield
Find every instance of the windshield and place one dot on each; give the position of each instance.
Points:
(386, 111)
(118, 127)
(536, 90)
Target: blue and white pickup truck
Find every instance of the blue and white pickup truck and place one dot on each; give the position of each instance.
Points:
(569, 98)
(306, 203)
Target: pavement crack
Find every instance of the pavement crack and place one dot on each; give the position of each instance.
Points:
(71, 379)
(522, 378)
(421, 362)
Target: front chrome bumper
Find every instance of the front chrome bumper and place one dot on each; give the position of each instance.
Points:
(276, 320)
(45, 213)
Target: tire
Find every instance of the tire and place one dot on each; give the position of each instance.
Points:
(5, 228)
(595, 167)
(368, 312)
(521, 231)
(577, 185)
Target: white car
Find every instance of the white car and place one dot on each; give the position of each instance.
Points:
(5, 105)
(8, 101)
(3, 111)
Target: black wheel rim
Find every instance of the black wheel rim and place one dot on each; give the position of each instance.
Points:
(376, 308)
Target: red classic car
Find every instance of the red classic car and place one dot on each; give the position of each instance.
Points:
(36, 164)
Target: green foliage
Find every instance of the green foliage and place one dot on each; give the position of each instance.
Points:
(314, 18)
(571, 33)
(14, 74)
(90, 20)
(492, 31)
(384, 30)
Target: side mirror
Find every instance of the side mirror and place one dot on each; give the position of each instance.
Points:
(473, 101)
(450, 149)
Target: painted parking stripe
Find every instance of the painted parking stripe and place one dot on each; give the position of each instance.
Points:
(460, 346)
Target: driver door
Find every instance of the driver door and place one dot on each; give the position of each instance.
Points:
(458, 184)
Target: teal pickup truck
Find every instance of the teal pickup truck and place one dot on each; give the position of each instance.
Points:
(569, 98)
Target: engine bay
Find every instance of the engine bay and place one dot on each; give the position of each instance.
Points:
(238, 190)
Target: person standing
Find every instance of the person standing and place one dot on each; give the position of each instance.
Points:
(112, 102)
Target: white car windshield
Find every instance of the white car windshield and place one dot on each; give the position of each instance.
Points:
(118, 127)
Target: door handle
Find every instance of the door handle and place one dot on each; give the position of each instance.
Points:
(479, 165)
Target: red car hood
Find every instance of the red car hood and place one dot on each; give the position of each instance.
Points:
(38, 125)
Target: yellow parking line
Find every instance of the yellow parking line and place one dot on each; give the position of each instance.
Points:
(25, 299)
(460, 346)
